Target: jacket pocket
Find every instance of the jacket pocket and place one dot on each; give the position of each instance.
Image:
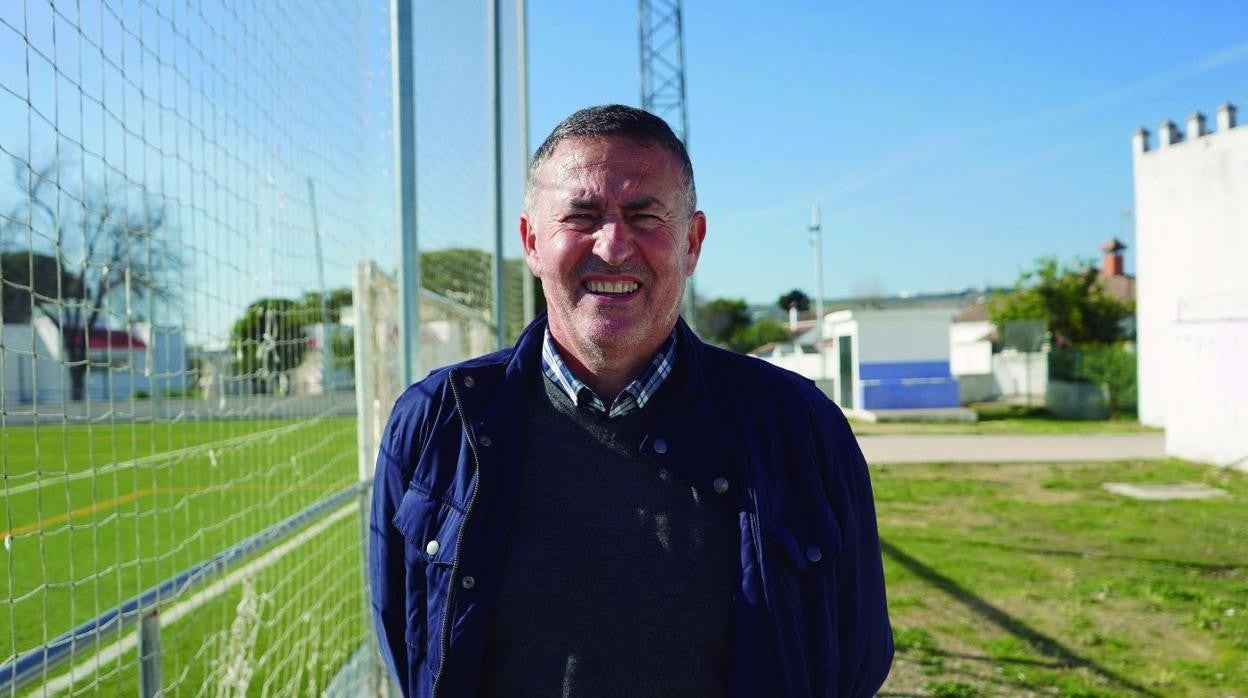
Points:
(809, 543)
(431, 529)
(802, 581)
(430, 526)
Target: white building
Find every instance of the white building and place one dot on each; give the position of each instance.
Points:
(881, 359)
(1191, 213)
(145, 361)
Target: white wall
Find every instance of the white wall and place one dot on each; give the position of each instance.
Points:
(909, 334)
(32, 369)
(41, 376)
(1207, 406)
(806, 364)
(1016, 373)
(1191, 213)
(969, 353)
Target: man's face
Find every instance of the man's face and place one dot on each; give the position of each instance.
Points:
(608, 232)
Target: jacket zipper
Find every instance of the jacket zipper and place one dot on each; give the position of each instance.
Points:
(445, 640)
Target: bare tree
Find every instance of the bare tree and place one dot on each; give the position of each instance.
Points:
(84, 251)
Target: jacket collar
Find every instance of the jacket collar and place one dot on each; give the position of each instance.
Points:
(686, 431)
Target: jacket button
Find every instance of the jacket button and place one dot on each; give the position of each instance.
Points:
(814, 554)
(720, 485)
(469, 381)
(468, 582)
(660, 445)
(432, 547)
(487, 441)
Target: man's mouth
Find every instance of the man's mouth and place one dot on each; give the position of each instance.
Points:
(611, 288)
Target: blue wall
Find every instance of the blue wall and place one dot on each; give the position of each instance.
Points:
(907, 385)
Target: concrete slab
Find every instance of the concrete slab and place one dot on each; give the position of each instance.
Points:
(974, 448)
(1164, 491)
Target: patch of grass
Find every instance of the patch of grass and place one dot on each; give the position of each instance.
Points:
(1083, 594)
(953, 689)
(912, 639)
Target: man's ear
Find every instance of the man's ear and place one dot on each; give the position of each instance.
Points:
(528, 240)
(696, 233)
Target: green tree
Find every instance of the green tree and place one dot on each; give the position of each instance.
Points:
(795, 298)
(1070, 300)
(464, 275)
(758, 333)
(721, 318)
(335, 300)
(459, 273)
(268, 341)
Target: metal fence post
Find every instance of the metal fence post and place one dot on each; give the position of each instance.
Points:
(150, 656)
(403, 65)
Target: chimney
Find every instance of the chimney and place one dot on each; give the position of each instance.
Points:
(1111, 257)
(1196, 125)
(1139, 141)
(1168, 134)
(1226, 117)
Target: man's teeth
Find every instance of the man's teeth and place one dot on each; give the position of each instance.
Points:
(611, 286)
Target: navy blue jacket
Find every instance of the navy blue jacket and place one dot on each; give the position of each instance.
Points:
(810, 616)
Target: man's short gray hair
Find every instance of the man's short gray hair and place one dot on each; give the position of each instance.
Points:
(615, 120)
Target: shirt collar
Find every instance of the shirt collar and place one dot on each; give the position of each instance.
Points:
(634, 396)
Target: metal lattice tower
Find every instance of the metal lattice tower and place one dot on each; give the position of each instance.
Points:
(663, 63)
(663, 84)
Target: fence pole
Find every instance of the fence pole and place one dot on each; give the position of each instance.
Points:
(403, 60)
(150, 656)
(496, 99)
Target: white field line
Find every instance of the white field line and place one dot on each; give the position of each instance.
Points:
(83, 670)
(53, 479)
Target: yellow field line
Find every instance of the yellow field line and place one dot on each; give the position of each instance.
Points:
(130, 497)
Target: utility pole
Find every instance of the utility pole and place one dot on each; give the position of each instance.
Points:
(816, 241)
(663, 85)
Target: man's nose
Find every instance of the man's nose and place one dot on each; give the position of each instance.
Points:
(614, 244)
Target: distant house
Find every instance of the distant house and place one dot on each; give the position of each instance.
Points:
(121, 364)
(1191, 216)
(989, 366)
(878, 358)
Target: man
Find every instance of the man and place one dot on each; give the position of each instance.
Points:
(612, 507)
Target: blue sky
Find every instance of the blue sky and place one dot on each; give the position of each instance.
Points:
(948, 144)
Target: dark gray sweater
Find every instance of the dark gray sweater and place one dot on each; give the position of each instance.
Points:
(619, 578)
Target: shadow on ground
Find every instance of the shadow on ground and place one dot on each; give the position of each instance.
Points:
(1060, 655)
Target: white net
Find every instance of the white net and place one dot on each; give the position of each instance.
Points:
(196, 357)
(186, 187)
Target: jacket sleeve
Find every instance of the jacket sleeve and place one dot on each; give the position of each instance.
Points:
(400, 447)
(864, 636)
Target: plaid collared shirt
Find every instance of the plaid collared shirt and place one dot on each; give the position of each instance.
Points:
(634, 396)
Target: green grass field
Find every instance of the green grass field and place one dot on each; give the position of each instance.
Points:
(1033, 580)
(94, 515)
(1003, 579)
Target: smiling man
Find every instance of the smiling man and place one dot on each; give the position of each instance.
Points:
(612, 507)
